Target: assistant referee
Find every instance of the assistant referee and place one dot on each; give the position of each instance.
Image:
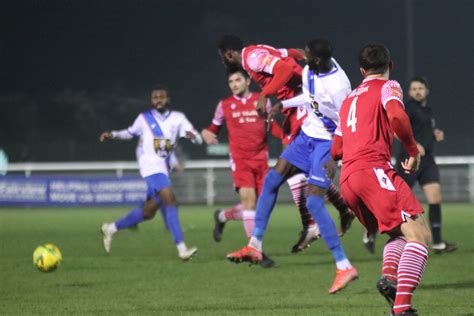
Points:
(426, 133)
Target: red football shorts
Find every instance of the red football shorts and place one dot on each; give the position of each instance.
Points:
(294, 118)
(380, 198)
(248, 173)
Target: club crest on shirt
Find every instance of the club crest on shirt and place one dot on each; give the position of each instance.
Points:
(232, 106)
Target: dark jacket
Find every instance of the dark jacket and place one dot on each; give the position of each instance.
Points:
(423, 124)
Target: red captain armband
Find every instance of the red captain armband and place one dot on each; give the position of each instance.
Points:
(214, 128)
(295, 53)
(400, 123)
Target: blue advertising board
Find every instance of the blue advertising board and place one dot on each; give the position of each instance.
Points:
(58, 190)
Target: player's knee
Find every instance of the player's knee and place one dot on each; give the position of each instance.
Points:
(148, 213)
(149, 209)
(417, 230)
(273, 181)
(314, 190)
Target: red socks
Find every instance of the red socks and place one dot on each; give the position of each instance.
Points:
(410, 269)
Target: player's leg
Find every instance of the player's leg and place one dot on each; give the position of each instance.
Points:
(221, 217)
(168, 200)
(412, 261)
(265, 204)
(248, 198)
(345, 215)
(144, 212)
(398, 213)
(243, 177)
(298, 183)
(310, 232)
(345, 272)
(318, 185)
(430, 183)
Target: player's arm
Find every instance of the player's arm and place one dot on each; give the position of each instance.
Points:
(401, 126)
(293, 102)
(209, 134)
(272, 126)
(174, 163)
(295, 53)
(336, 146)
(392, 101)
(438, 134)
(282, 73)
(336, 153)
(125, 134)
(186, 130)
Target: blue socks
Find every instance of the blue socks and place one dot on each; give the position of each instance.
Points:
(266, 202)
(315, 205)
(172, 222)
(170, 217)
(131, 219)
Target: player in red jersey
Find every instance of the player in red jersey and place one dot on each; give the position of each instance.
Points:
(248, 150)
(369, 118)
(278, 74)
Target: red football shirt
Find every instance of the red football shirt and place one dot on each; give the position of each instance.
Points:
(364, 126)
(258, 61)
(247, 131)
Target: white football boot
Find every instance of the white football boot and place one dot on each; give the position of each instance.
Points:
(107, 233)
(187, 253)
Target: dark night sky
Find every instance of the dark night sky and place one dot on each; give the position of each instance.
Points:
(70, 69)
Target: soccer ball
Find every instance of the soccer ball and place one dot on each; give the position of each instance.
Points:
(47, 258)
(55, 249)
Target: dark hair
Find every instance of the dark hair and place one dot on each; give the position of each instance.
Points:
(320, 47)
(420, 80)
(161, 87)
(375, 59)
(234, 70)
(230, 42)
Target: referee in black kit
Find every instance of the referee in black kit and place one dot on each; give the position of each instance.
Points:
(425, 132)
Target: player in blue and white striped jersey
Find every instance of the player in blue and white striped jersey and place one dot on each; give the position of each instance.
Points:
(158, 131)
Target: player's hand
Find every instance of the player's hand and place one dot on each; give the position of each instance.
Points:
(105, 136)
(439, 135)
(331, 167)
(275, 110)
(209, 137)
(411, 164)
(178, 168)
(261, 106)
(303, 53)
(421, 149)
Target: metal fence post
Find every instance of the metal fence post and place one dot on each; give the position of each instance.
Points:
(471, 183)
(210, 192)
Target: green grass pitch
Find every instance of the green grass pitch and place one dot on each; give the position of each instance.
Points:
(142, 275)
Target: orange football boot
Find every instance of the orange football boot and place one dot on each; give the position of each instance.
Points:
(246, 254)
(343, 278)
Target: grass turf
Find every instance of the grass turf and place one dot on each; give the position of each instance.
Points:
(142, 275)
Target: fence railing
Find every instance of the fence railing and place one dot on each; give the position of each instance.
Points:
(209, 181)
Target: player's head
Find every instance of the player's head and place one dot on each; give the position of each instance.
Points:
(318, 54)
(418, 89)
(375, 59)
(160, 99)
(230, 49)
(239, 81)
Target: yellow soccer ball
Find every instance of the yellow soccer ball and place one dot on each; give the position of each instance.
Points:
(55, 249)
(46, 258)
